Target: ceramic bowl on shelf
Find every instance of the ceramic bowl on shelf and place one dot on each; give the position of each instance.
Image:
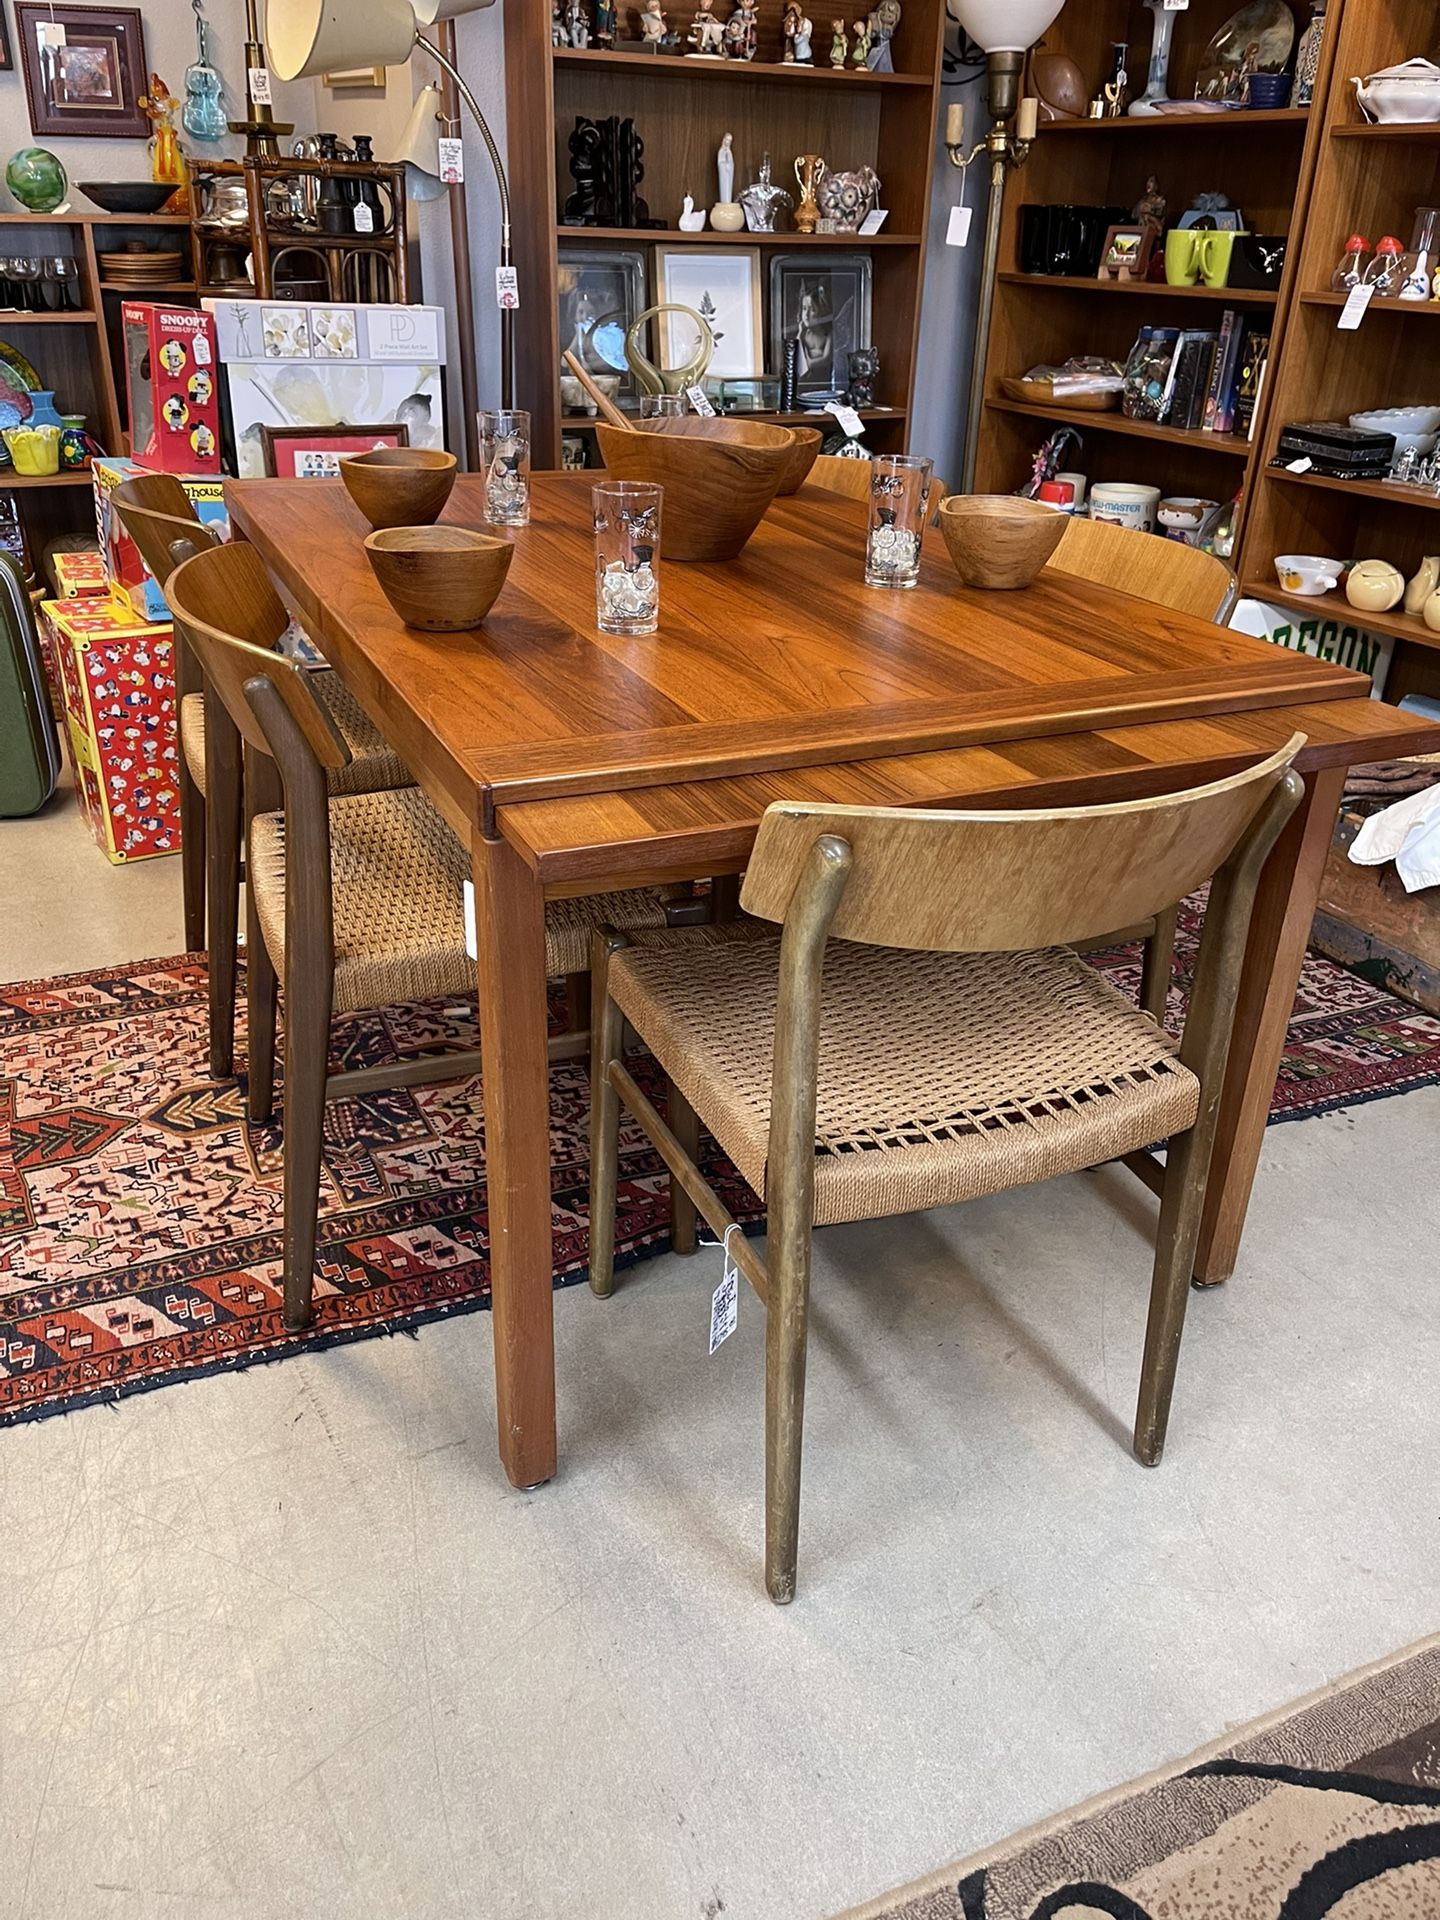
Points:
(399, 486)
(1417, 427)
(719, 477)
(999, 540)
(440, 579)
(127, 196)
(1407, 92)
(1374, 586)
(1307, 573)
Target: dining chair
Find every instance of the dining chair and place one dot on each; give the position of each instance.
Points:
(157, 513)
(919, 1032)
(353, 900)
(838, 474)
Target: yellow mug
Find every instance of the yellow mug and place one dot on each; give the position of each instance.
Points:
(1182, 256)
(35, 450)
(1215, 252)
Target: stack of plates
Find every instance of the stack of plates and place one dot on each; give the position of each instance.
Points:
(142, 268)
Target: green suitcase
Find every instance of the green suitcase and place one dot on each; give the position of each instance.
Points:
(29, 750)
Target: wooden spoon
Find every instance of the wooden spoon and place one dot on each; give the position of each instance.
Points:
(602, 400)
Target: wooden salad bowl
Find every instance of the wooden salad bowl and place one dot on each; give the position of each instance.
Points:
(808, 442)
(399, 486)
(441, 579)
(719, 477)
(999, 539)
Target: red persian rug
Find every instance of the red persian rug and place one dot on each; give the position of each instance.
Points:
(140, 1215)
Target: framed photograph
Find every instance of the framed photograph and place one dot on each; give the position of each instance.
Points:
(823, 300)
(84, 69)
(601, 291)
(7, 59)
(313, 453)
(722, 285)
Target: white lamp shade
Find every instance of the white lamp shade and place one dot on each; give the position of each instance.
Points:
(306, 37)
(420, 146)
(427, 12)
(1004, 26)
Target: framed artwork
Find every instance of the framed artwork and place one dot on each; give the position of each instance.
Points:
(313, 453)
(1126, 253)
(344, 77)
(7, 59)
(723, 287)
(823, 300)
(601, 291)
(84, 69)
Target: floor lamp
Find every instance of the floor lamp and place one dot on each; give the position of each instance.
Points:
(1004, 30)
(310, 37)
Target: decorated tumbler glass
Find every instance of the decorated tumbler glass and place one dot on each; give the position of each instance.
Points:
(627, 556)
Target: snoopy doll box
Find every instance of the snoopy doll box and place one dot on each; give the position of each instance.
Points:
(131, 582)
(174, 392)
(117, 679)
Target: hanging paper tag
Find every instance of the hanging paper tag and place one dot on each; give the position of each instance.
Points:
(957, 234)
(874, 220)
(452, 161)
(700, 401)
(472, 946)
(260, 90)
(1302, 465)
(1176, 6)
(1354, 309)
(364, 218)
(49, 33)
(850, 421)
(200, 347)
(507, 289)
(725, 1301)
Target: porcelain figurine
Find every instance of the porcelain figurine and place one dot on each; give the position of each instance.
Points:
(864, 39)
(804, 29)
(725, 168)
(652, 26)
(1149, 209)
(1423, 583)
(809, 172)
(862, 368)
(741, 31)
(558, 36)
(604, 23)
(790, 27)
(883, 22)
(706, 36)
(691, 221)
(578, 24)
(839, 43)
(766, 205)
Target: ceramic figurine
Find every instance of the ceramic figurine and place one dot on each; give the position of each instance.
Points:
(804, 28)
(167, 160)
(725, 167)
(839, 43)
(652, 26)
(558, 36)
(883, 23)
(706, 36)
(604, 23)
(845, 198)
(790, 27)
(577, 24)
(741, 31)
(864, 38)
(809, 172)
(765, 204)
(1149, 209)
(862, 368)
(691, 221)
(1115, 87)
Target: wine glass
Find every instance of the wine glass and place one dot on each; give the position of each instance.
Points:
(62, 282)
(25, 270)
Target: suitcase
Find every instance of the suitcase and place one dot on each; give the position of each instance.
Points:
(29, 749)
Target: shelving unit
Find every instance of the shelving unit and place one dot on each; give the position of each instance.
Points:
(681, 108)
(1263, 161)
(1368, 179)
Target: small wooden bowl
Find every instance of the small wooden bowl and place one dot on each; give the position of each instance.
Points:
(399, 486)
(719, 477)
(1041, 393)
(999, 539)
(441, 579)
(808, 442)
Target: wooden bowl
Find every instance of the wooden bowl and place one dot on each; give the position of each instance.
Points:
(399, 486)
(719, 477)
(808, 442)
(441, 579)
(999, 539)
(1041, 393)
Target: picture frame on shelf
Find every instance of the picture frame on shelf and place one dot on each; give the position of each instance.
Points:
(722, 285)
(85, 70)
(600, 292)
(1126, 252)
(313, 453)
(824, 299)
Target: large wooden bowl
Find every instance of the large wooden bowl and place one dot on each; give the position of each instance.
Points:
(399, 486)
(808, 442)
(999, 539)
(442, 579)
(719, 477)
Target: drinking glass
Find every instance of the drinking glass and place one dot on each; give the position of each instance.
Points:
(627, 556)
(661, 406)
(62, 274)
(25, 272)
(899, 494)
(505, 463)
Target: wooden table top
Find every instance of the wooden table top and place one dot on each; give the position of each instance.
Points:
(781, 659)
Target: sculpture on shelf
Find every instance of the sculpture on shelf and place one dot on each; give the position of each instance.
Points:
(725, 167)
(604, 23)
(577, 24)
(741, 31)
(846, 198)
(1149, 209)
(558, 36)
(1112, 93)
(691, 221)
(839, 43)
(864, 39)
(1157, 80)
(884, 21)
(862, 367)
(605, 163)
(652, 26)
(706, 36)
(167, 160)
(798, 29)
(766, 205)
(651, 378)
(809, 172)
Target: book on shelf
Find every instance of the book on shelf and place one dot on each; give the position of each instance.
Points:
(1224, 379)
(1254, 356)
(1190, 378)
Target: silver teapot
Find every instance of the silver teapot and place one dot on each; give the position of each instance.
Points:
(227, 203)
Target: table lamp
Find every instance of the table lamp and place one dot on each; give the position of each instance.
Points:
(1004, 30)
(310, 37)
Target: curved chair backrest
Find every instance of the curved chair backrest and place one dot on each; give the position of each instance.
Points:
(227, 610)
(1007, 882)
(852, 478)
(158, 534)
(157, 493)
(1164, 571)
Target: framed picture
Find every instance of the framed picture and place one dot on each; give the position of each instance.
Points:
(722, 285)
(84, 69)
(601, 291)
(823, 300)
(313, 453)
(355, 77)
(7, 59)
(1126, 253)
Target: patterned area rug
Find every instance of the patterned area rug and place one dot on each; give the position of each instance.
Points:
(1329, 1810)
(140, 1216)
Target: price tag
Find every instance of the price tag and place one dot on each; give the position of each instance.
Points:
(1177, 6)
(700, 401)
(874, 220)
(507, 289)
(957, 234)
(725, 1301)
(452, 161)
(1302, 465)
(364, 218)
(850, 421)
(200, 347)
(261, 94)
(49, 33)
(1354, 309)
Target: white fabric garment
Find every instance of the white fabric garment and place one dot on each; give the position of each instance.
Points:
(1407, 833)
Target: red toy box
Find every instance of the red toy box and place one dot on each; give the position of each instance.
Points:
(174, 394)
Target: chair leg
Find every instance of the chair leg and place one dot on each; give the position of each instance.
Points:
(686, 1129)
(607, 1029)
(307, 1050)
(786, 1331)
(577, 1002)
(1181, 1204)
(223, 904)
(260, 1018)
(1158, 968)
(192, 859)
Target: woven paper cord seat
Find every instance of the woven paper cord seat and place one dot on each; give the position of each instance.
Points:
(398, 878)
(942, 1077)
(374, 764)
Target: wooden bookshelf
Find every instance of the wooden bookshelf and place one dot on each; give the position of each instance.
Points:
(1263, 161)
(1368, 179)
(681, 108)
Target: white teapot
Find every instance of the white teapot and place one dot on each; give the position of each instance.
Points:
(1407, 92)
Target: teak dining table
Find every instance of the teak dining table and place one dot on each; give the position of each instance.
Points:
(572, 762)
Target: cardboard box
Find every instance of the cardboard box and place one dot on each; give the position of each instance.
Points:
(117, 677)
(174, 393)
(131, 581)
(81, 574)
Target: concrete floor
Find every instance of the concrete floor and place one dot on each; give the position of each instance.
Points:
(285, 1643)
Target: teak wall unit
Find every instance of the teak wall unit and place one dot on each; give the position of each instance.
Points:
(681, 109)
(1263, 161)
(1369, 179)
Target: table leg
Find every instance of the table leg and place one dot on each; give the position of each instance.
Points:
(510, 932)
(1279, 930)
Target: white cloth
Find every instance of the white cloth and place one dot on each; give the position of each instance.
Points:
(1407, 833)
